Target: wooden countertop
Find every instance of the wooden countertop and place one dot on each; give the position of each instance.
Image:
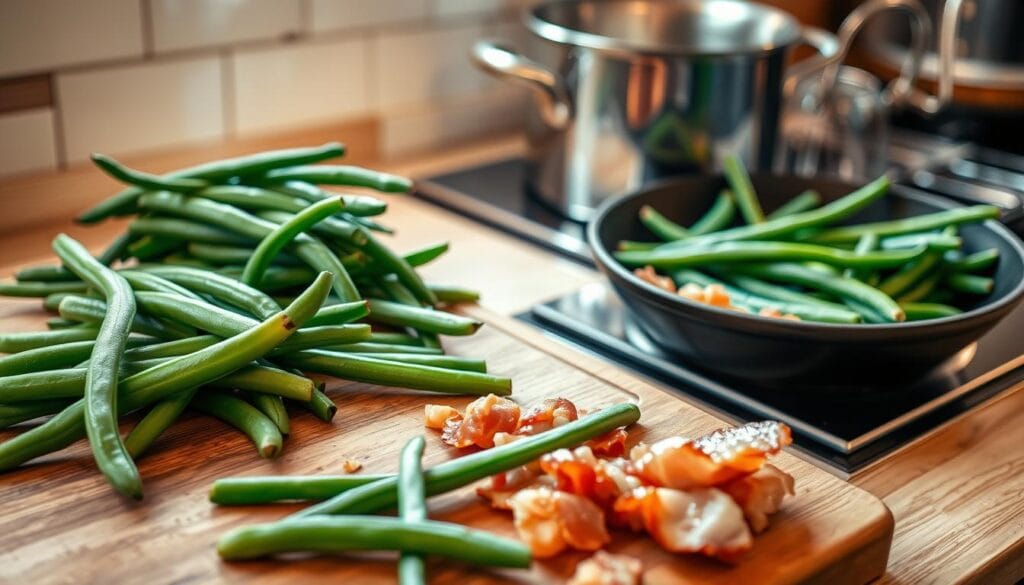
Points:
(957, 494)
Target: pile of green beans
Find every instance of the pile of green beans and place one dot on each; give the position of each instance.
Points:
(798, 261)
(187, 287)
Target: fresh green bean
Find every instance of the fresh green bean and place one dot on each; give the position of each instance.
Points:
(244, 417)
(156, 421)
(781, 293)
(867, 243)
(375, 348)
(922, 311)
(448, 362)
(143, 180)
(661, 226)
(372, 370)
(248, 491)
(255, 164)
(52, 273)
(40, 289)
(273, 408)
(46, 358)
(93, 311)
(396, 291)
(357, 205)
(422, 256)
(809, 199)
(423, 319)
(159, 382)
(340, 314)
(252, 198)
(145, 281)
(921, 289)
(718, 217)
(222, 288)
(919, 223)
(975, 262)
(55, 323)
(341, 175)
(321, 404)
(170, 227)
(909, 275)
(370, 224)
(846, 288)
(393, 338)
(394, 263)
(942, 242)
(739, 182)
(333, 227)
(412, 507)
(453, 294)
(151, 247)
(12, 414)
(373, 533)
(16, 342)
(729, 252)
(31, 387)
(970, 283)
(456, 473)
(218, 255)
(282, 235)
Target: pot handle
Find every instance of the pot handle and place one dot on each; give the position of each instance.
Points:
(923, 101)
(828, 53)
(550, 90)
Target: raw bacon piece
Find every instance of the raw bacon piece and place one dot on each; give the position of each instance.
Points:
(484, 417)
(436, 415)
(711, 460)
(607, 569)
(610, 444)
(549, 521)
(553, 412)
(580, 472)
(760, 494)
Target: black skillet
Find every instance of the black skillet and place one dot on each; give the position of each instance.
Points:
(776, 350)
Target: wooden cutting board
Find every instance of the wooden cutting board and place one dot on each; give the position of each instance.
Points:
(61, 523)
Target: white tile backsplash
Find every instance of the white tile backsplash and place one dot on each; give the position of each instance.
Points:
(299, 85)
(27, 141)
(331, 15)
(448, 8)
(190, 24)
(141, 107)
(420, 66)
(40, 35)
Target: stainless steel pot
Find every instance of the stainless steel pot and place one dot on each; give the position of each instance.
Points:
(633, 90)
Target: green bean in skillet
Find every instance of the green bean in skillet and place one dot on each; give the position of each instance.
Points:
(125, 201)
(911, 274)
(144, 180)
(661, 226)
(729, 252)
(173, 376)
(807, 200)
(971, 284)
(340, 175)
(93, 310)
(919, 223)
(156, 421)
(16, 342)
(375, 348)
(921, 289)
(456, 473)
(781, 293)
(248, 491)
(244, 417)
(718, 217)
(12, 414)
(976, 262)
(340, 314)
(373, 370)
(222, 288)
(867, 243)
(356, 205)
(310, 250)
(104, 369)
(422, 319)
(845, 288)
(739, 181)
(40, 289)
(447, 362)
(922, 311)
(934, 241)
(827, 214)
(171, 227)
(373, 533)
(453, 294)
(275, 241)
(152, 247)
(273, 408)
(412, 507)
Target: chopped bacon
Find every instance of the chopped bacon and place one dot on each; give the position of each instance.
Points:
(610, 444)
(505, 485)
(553, 412)
(700, 520)
(607, 569)
(550, 521)
(711, 460)
(649, 275)
(351, 465)
(760, 494)
(484, 417)
(436, 415)
(580, 472)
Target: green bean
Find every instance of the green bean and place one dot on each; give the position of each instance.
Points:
(321, 404)
(124, 202)
(867, 243)
(155, 384)
(846, 288)
(371, 347)
(55, 323)
(156, 421)
(970, 283)
(941, 296)
(93, 311)
(423, 319)
(275, 241)
(101, 378)
(809, 199)
(922, 311)
(150, 247)
(340, 314)
(448, 362)
(396, 291)
(826, 214)
(456, 473)
(412, 507)
(718, 217)
(52, 302)
(252, 198)
(145, 180)
(46, 358)
(33, 386)
(222, 288)
(453, 294)
(941, 242)
(729, 252)
(357, 205)
(12, 414)
(920, 223)
(909, 275)
(398, 265)
(39, 289)
(310, 250)
(332, 227)
(372, 370)
(739, 182)
(370, 224)
(144, 281)
(248, 491)
(218, 255)
(423, 255)
(169, 227)
(52, 273)
(341, 175)
(921, 289)
(16, 342)
(773, 291)
(273, 408)
(661, 226)
(754, 303)
(244, 417)
(373, 533)
(392, 338)
(975, 262)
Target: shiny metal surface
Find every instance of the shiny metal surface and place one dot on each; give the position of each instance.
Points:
(650, 89)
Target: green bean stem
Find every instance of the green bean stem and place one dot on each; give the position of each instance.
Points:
(145, 180)
(970, 283)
